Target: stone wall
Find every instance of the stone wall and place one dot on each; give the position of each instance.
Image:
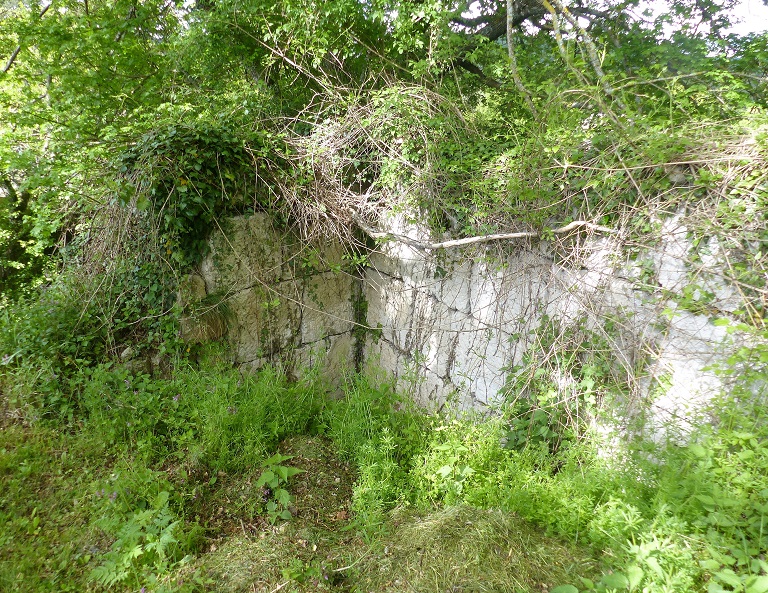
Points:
(449, 326)
(453, 325)
(286, 303)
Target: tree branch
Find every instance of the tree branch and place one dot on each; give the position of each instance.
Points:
(513, 59)
(495, 25)
(477, 71)
(422, 246)
(472, 22)
(16, 51)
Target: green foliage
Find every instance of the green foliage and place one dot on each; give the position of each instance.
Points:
(144, 545)
(80, 71)
(184, 114)
(380, 432)
(79, 322)
(162, 445)
(691, 517)
(557, 389)
(134, 411)
(43, 535)
(460, 457)
(275, 478)
(664, 517)
(189, 174)
(24, 247)
(370, 410)
(243, 419)
(226, 422)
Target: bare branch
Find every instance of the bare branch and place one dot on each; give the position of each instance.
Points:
(420, 245)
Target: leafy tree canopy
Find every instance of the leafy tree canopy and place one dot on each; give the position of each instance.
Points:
(83, 81)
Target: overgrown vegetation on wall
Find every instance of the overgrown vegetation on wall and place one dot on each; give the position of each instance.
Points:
(130, 128)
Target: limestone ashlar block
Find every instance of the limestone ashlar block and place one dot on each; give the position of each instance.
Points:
(333, 356)
(327, 306)
(266, 322)
(200, 321)
(247, 250)
(205, 325)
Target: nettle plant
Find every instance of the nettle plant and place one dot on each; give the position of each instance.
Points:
(273, 481)
(145, 546)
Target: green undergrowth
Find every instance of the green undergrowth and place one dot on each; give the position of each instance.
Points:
(205, 479)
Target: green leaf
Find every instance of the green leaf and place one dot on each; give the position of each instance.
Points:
(276, 459)
(615, 580)
(728, 577)
(655, 566)
(707, 500)
(758, 585)
(293, 471)
(266, 477)
(710, 564)
(634, 576)
(697, 450)
(282, 496)
(565, 589)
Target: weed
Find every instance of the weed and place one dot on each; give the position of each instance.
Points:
(145, 545)
(274, 479)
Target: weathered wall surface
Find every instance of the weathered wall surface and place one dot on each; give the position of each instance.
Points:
(453, 326)
(284, 302)
(449, 326)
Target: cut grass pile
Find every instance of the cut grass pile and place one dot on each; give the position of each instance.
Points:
(462, 548)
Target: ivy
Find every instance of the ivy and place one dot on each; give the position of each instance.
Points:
(185, 176)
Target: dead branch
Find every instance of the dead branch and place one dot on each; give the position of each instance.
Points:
(420, 245)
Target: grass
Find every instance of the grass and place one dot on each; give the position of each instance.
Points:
(83, 502)
(155, 483)
(47, 479)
